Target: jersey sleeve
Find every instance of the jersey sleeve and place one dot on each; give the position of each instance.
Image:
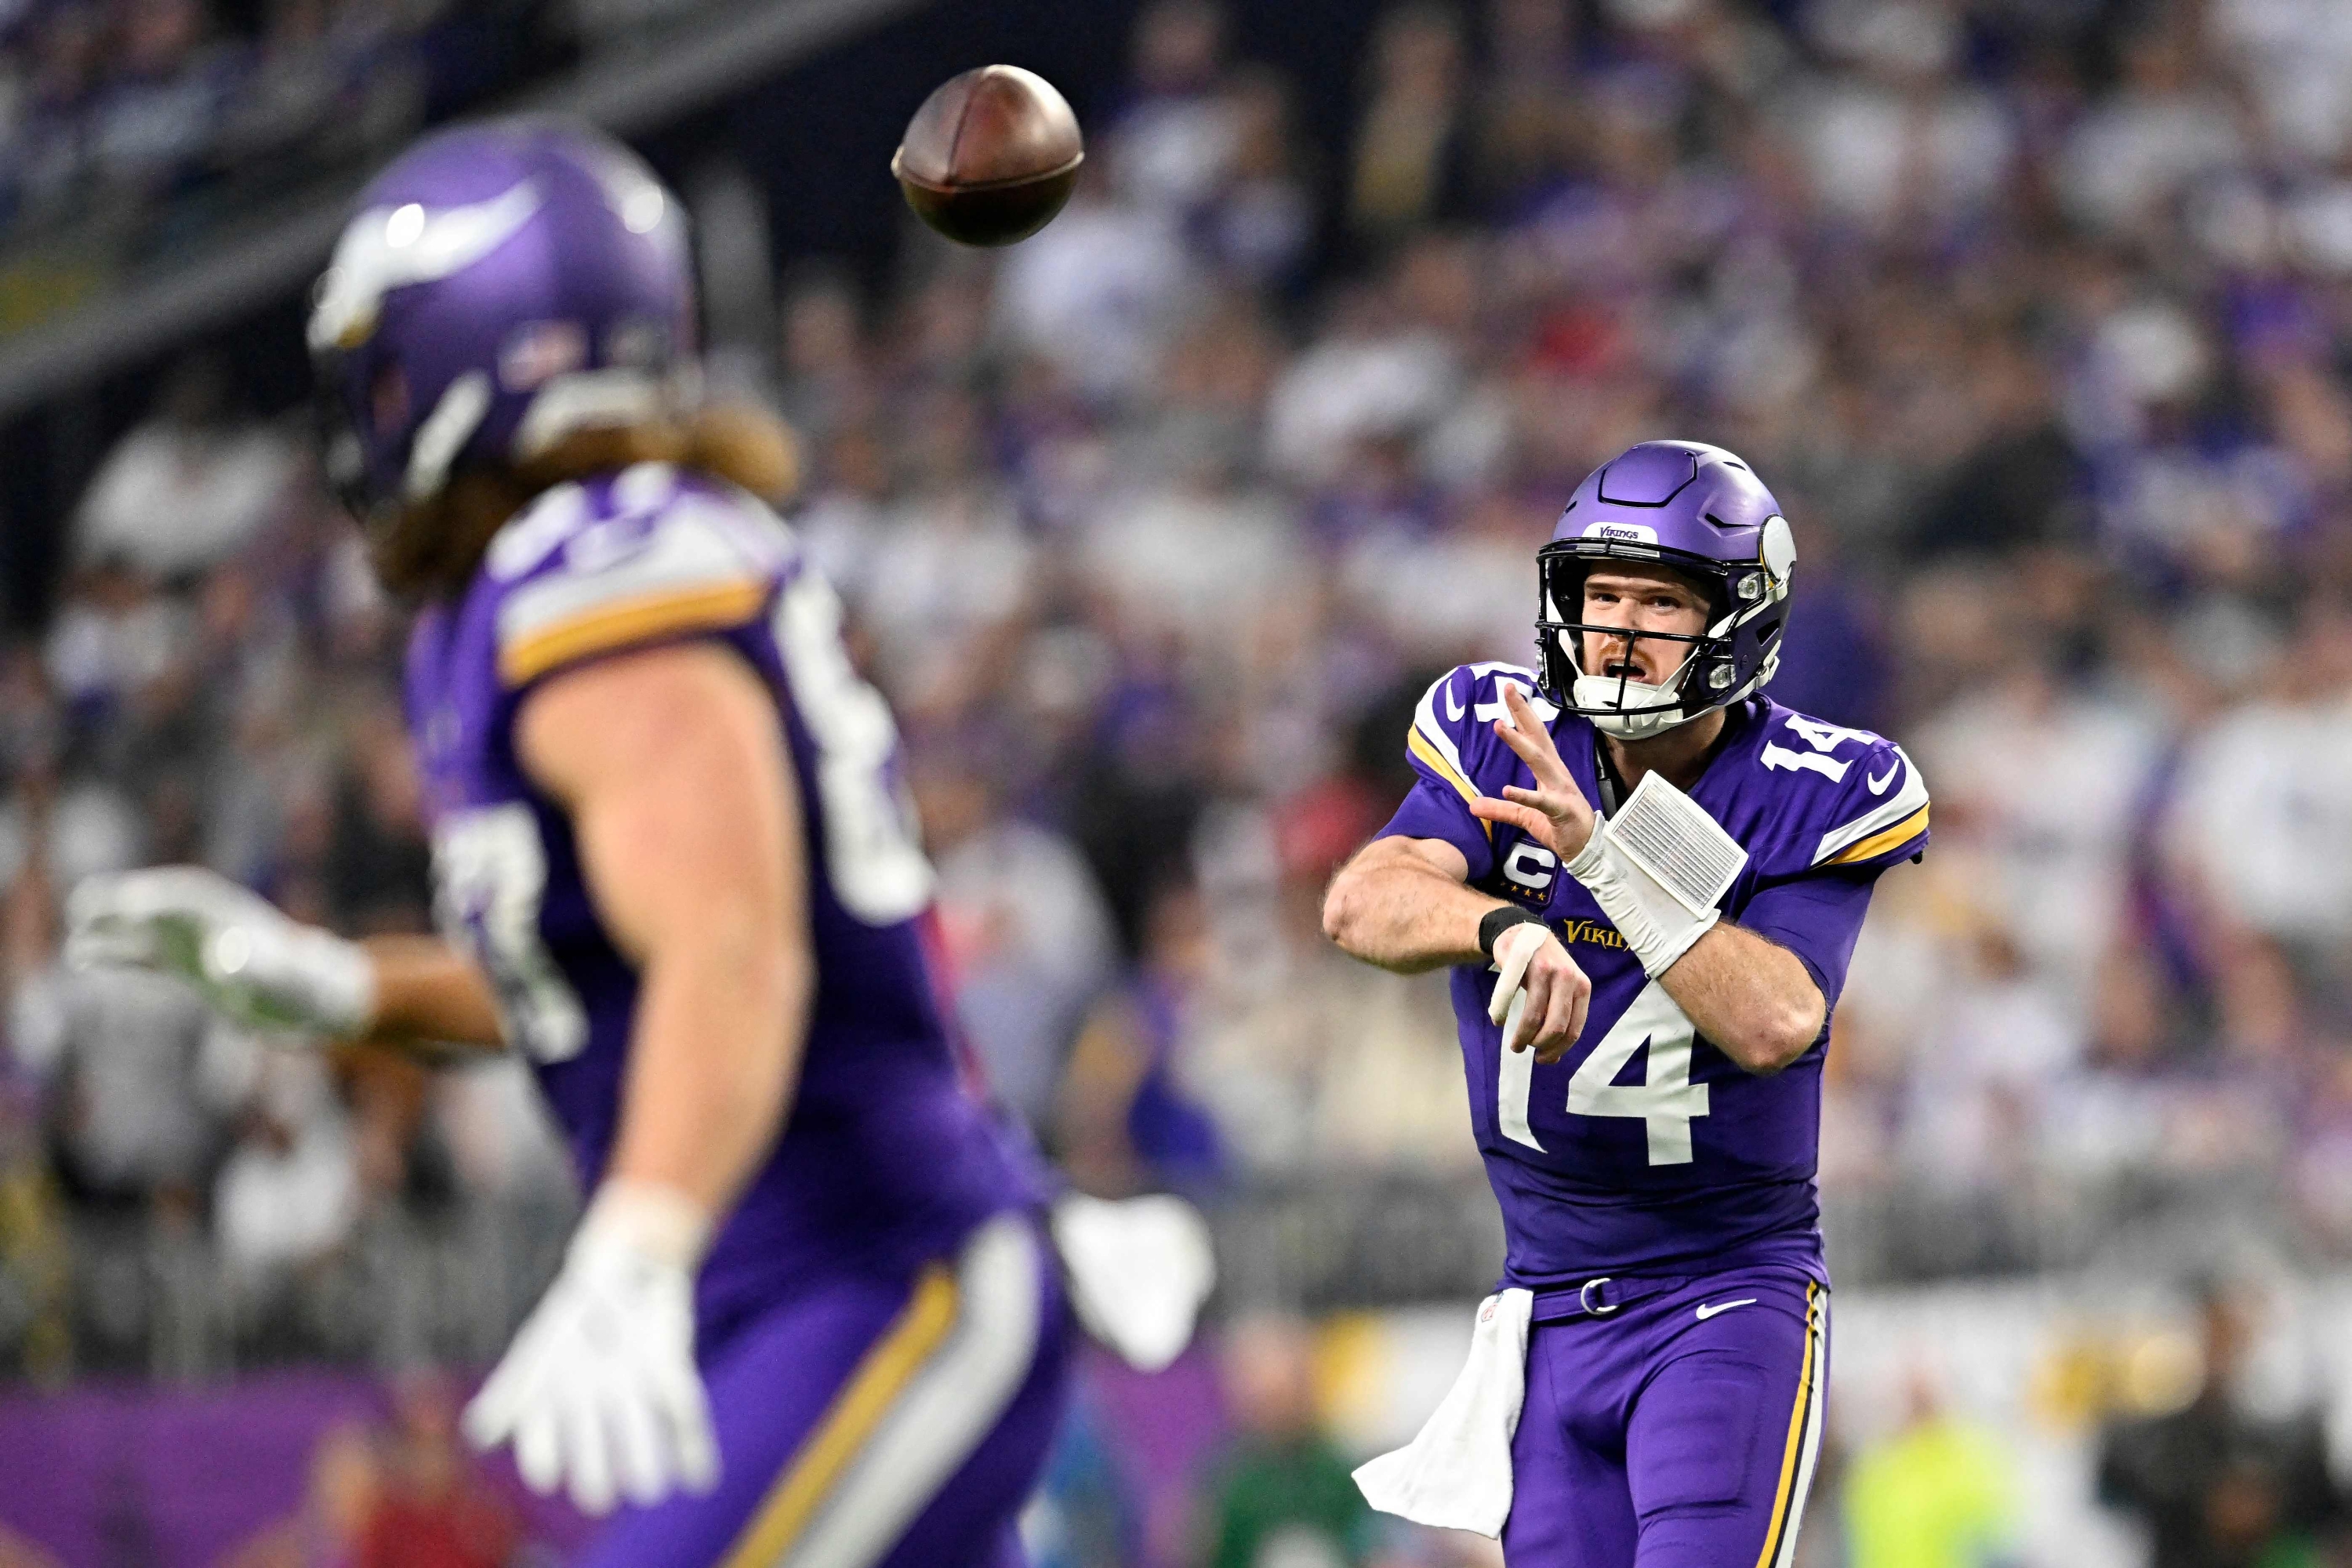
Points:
(1877, 817)
(1438, 805)
(1817, 918)
(612, 583)
(1857, 804)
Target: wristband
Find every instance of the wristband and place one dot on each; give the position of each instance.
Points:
(657, 1222)
(1497, 920)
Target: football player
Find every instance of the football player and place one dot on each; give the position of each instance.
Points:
(808, 1317)
(1647, 878)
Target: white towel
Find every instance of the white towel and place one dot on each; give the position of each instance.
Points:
(1457, 1475)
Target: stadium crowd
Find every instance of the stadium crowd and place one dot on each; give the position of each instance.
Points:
(129, 126)
(2036, 317)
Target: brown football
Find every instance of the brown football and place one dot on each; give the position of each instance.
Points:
(990, 156)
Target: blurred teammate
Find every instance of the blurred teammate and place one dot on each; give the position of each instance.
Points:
(1649, 878)
(677, 869)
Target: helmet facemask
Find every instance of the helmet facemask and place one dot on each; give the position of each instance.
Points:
(1707, 676)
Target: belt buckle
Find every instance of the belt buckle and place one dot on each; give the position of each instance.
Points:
(1584, 1299)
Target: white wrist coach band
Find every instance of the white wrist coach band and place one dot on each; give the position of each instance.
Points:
(1658, 868)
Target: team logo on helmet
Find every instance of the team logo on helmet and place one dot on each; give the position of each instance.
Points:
(500, 287)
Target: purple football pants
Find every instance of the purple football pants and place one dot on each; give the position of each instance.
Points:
(873, 1423)
(1670, 1422)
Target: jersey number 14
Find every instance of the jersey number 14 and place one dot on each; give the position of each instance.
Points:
(1666, 1100)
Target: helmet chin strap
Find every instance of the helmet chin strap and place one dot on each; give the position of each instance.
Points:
(1629, 710)
(1597, 693)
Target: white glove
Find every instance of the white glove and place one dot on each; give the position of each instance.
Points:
(600, 1389)
(252, 964)
(1139, 1271)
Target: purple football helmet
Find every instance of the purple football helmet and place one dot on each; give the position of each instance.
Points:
(1702, 511)
(502, 286)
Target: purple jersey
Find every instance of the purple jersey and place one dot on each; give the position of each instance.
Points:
(887, 1159)
(1644, 1149)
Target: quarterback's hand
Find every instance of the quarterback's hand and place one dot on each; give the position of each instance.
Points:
(1541, 996)
(1555, 813)
(599, 1391)
(251, 964)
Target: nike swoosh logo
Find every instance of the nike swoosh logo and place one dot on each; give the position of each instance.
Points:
(1705, 1311)
(1878, 786)
(1454, 708)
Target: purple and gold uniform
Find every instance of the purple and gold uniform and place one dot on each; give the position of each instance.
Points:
(1658, 1199)
(881, 1331)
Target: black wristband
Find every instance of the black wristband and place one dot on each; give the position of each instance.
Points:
(1498, 920)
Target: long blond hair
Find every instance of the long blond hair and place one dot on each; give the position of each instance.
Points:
(432, 550)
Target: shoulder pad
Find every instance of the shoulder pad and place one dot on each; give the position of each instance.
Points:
(591, 568)
(1872, 805)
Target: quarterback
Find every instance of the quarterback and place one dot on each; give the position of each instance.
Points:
(809, 1316)
(1647, 878)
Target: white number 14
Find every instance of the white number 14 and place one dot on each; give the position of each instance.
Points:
(1666, 1100)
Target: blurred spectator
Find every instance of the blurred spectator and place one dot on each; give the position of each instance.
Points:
(1897, 138)
(288, 1193)
(340, 1499)
(1941, 1493)
(140, 1082)
(181, 492)
(1028, 937)
(378, 870)
(1100, 293)
(2271, 769)
(1085, 1515)
(434, 1511)
(1408, 165)
(1283, 1495)
(1174, 142)
(2036, 778)
(2217, 1486)
(136, 125)
(1126, 1119)
(2167, 125)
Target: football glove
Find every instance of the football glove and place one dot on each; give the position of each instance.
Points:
(599, 1392)
(250, 963)
(1139, 1271)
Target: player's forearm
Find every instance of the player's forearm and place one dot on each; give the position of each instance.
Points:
(1404, 917)
(429, 998)
(722, 1017)
(1749, 997)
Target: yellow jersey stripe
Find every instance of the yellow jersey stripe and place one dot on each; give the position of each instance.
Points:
(1418, 745)
(626, 621)
(856, 1411)
(1909, 828)
(1796, 1446)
